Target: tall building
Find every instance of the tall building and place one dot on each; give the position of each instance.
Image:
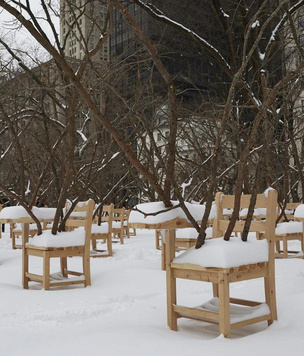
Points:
(81, 25)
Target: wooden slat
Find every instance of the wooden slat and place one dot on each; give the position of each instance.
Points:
(34, 277)
(250, 321)
(245, 302)
(239, 225)
(172, 224)
(196, 313)
(227, 201)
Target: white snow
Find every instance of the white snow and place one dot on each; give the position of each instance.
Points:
(255, 24)
(224, 254)
(123, 313)
(141, 216)
(18, 212)
(289, 227)
(61, 239)
(299, 212)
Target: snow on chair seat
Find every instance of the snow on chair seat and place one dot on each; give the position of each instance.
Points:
(61, 239)
(289, 231)
(232, 253)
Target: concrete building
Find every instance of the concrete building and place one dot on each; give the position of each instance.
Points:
(81, 25)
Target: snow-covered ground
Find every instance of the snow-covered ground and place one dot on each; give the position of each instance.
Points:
(124, 311)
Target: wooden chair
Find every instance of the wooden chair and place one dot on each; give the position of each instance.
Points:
(75, 242)
(131, 229)
(103, 232)
(118, 224)
(126, 228)
(289, 231)
(215, 262)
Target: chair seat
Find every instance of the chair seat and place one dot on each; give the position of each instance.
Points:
(62, 239)
(100, 229)
(225, 254)
(290, 227)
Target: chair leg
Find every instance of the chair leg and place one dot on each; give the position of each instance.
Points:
(285, 247)
(121, 236)
(270, 297)
(109, 245)
(25, 266)
(46, 270)
(94, 244)
(64, 266)
(215, 289)
(171, 281)
(86, 269)
(157, 239)
(224, 305)
(13, 241)
(163, 255)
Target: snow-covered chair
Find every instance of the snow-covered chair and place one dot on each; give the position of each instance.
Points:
(126, 225)
(223, 262)
(289, 231)
(103, 231)
(118, 224)
(75, 242)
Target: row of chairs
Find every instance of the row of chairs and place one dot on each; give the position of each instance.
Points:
(113, 225)
(81, 230)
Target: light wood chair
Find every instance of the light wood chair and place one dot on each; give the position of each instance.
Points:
(287, 231)
(118, 224)
(126, 228)
(103, 231)
(131, 229)
(75, 242)
(206, 264)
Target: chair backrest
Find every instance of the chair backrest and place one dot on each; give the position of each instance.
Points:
(289, 211)
(106, 214)
(119, 214)
(82, 216)
(263, 201)
(127, 214)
